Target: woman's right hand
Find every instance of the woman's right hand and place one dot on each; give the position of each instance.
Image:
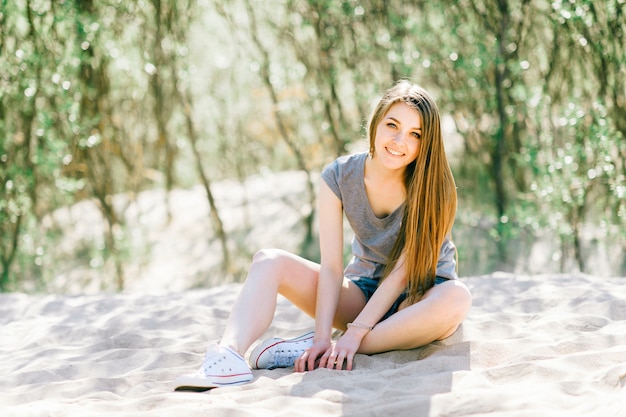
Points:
(310, 358)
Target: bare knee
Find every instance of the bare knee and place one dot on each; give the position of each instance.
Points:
(267, 255)
(268, 259)
(269, 264)
(461, 299)
(458, 302)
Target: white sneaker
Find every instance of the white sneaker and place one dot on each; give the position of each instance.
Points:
(280, 353)
(222, 367)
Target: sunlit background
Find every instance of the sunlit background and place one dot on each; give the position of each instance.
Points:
(120, 120)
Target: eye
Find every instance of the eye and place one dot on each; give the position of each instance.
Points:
(392, 125)
(416, 135)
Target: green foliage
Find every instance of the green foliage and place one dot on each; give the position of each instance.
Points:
(103, 97)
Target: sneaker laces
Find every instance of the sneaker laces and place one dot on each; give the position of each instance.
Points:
(211, 359)
(285, 358)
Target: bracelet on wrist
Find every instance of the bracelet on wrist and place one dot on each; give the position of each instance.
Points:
(360, 326)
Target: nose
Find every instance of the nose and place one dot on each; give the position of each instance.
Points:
(399, 138)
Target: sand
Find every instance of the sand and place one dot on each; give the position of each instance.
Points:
(540, 345)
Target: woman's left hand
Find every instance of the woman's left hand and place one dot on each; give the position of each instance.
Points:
(340, 352)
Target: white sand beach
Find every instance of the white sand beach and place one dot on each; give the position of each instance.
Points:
(542, 345)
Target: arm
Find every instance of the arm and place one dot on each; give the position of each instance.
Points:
(346, 347)
(387, 292)
(330, 276)
(331, 268)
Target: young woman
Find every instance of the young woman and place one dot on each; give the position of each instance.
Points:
(400, 290)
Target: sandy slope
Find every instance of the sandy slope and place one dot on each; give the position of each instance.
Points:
(552, 345)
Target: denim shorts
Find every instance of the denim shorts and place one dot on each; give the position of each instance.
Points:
(369, 285)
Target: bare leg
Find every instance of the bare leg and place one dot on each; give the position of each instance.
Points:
(435, 317)
(254, 309)
(276, 271)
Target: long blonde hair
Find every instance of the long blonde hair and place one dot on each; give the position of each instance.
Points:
(430, 191)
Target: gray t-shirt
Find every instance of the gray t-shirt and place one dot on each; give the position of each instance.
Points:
(374, 237)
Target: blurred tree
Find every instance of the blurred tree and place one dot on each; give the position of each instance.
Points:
(179, 20)
(580, 140)
(478, 65)
(506, 70)
(285, 131)
(32, 60)
(102, 99)
(98, 146)
(160, 53)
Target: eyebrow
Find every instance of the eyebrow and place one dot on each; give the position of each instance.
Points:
(398, 121)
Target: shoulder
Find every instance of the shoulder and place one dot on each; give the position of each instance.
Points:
(344, 171)
(346, 163)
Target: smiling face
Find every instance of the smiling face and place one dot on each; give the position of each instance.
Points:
(398, 136)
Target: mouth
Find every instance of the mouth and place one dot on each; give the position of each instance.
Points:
(394, 152)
